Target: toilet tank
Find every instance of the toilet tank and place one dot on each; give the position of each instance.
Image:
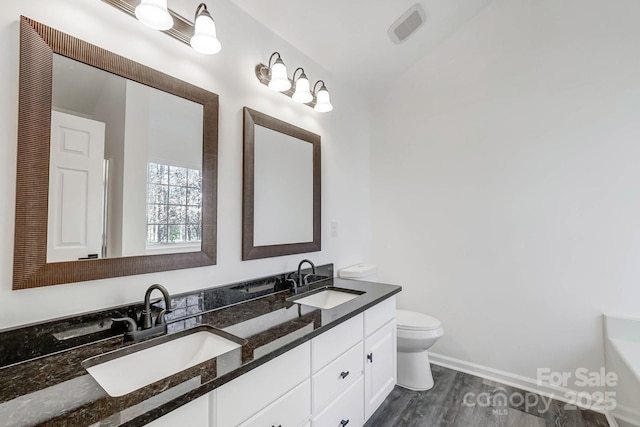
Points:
(363, 271)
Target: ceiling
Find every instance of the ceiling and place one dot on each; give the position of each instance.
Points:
(349, 37)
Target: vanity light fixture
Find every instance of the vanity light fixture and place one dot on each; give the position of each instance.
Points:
(323, 103)
(302, 93)
(278, 72)
(275, 77)
(204, 38)
(154, 14)
(200, 34)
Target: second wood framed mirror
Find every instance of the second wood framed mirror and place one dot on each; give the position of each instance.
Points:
(281, 188)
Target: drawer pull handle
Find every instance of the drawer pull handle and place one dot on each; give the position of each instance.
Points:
(344, 374)
(370, 357)
(344, 422)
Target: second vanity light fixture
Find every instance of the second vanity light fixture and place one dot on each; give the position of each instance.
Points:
(201, 34)
(275, 77)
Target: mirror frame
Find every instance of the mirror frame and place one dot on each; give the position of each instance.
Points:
(38, 43)
(251, 118)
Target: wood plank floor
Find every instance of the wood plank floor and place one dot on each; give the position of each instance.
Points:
(462, 400)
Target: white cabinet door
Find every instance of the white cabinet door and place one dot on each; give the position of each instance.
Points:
(193, 414)
(380, 372)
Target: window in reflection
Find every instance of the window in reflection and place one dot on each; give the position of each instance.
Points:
(174, 205)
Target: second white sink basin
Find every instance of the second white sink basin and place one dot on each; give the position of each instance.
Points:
(125, 370)
(328, 298)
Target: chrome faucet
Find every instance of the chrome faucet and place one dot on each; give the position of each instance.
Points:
(149, 328)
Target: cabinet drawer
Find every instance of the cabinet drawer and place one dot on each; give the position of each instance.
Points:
(331, 344)
(244, 396)
(378, 315)
(347, 407)
(337, 376)
(291, 410)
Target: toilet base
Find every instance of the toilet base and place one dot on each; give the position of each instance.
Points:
(414, 371)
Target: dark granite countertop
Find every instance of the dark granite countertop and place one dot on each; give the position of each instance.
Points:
(53, 389)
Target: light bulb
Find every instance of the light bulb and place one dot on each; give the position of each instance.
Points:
(204, 38)
(154, 14)
(302, 93)
(279, 80)
(323, 104)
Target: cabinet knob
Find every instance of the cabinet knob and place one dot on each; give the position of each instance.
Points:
(344, 374)
(344, 422)
(370, 357)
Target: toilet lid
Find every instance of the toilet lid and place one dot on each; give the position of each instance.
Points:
(411, 320)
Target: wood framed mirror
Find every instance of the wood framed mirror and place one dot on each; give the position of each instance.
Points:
(175, 207)
(281, 188)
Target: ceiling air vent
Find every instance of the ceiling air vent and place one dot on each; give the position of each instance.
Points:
(407, 24)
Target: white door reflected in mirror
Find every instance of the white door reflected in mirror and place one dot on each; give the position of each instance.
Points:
(138, 190)
(283, 188)
(76, 170)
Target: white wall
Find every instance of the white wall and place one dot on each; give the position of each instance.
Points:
(114, 93)
(175, 130)
(345, 146)
(506, 183)
(137, 138)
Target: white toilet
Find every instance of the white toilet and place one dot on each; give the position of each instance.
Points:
(417, 332)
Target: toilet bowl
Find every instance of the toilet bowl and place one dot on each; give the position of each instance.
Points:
(417, 332)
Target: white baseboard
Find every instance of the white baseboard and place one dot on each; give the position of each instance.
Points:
(527, 384)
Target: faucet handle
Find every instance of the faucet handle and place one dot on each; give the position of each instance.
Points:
(160, 320)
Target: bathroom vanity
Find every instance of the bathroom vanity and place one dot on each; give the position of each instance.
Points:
(293, 365)
(341, 375)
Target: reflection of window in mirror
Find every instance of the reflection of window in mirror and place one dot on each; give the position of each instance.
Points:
(174, 207)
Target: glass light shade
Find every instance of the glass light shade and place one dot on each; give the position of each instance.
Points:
(323, 104)
(279, 80)
(302, 93)
(204, 38)
(154, 14)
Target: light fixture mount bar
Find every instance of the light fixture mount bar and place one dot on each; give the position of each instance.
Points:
(182, 29)
(262, 73)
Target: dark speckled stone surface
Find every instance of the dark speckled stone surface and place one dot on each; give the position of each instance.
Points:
(44, 383)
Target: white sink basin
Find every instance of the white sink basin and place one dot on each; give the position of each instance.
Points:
(328, 298)
(125, 370)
